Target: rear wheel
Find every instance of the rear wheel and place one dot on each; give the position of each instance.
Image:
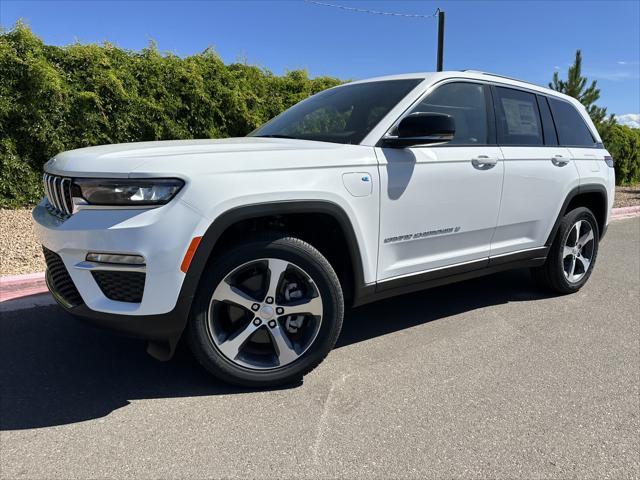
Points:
(572, 254)
(266, 313)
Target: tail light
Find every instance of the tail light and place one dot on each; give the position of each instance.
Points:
(609, 160)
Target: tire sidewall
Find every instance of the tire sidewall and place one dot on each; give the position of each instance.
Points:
(285, 248)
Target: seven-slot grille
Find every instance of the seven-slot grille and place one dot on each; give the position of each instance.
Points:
(58, 192)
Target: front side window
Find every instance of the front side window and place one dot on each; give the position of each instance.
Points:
(340, 115)
(465, 102)
(517, 117)
(572, 130)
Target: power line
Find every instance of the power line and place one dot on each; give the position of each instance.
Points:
(373, 12)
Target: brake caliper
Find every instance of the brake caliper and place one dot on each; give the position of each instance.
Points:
(292, 292)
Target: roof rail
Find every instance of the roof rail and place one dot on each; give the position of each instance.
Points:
(500, 76)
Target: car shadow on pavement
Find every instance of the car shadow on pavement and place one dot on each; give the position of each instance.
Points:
(55, 370)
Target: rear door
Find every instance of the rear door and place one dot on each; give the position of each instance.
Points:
(538, 172)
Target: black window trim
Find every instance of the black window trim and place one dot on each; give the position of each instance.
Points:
(490, 83)
(543, 98)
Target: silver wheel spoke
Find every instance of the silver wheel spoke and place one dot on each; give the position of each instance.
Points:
(566, 251)
(312, 307)
(586, 238)
(585, 262)
(577, 227)
(231, 346)
(276, 269)
(284, 348)
(572, 267)
(226, 293)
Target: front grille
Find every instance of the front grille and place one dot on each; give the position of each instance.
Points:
(59, 280)
(58, 192)
(120, 286)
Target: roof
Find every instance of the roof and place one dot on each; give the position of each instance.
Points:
(472, 75)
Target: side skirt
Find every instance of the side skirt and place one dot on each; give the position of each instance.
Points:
(456, 273)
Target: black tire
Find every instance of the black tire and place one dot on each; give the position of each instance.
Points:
(285, 248)
(551, 275)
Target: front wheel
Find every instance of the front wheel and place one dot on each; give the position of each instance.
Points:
(572, 255)
(266, 313)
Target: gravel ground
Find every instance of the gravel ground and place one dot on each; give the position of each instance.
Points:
(20, 251)
(628, 196)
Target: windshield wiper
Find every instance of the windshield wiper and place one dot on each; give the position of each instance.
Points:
(276, 136)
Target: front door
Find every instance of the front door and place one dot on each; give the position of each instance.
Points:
(439, 204)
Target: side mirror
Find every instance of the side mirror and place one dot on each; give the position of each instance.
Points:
(422, 128)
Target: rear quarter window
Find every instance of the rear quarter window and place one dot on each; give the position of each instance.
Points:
(572, 129)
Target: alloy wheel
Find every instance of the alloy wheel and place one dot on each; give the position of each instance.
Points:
(265, 314)
(577, 253)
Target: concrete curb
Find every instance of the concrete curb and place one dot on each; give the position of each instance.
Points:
(14, 287)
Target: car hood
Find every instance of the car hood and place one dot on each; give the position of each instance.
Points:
(176, 157)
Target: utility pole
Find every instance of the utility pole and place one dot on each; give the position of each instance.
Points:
(440, 40)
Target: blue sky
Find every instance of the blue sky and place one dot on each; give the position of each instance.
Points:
(527, 40)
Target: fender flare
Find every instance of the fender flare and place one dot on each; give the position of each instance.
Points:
(589, 188)
(246, 212)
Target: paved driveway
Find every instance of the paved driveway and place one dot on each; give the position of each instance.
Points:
(487, 378)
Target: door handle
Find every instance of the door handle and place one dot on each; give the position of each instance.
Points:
(559, 161)
(484, 162)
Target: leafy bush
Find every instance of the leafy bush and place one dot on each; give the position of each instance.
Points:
(60, 98)
(624, 145)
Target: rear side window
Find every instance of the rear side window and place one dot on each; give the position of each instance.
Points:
(517, 117)
(466, 103)
(548, 129)
(572, 130)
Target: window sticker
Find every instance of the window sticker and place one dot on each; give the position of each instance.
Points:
(520, 116)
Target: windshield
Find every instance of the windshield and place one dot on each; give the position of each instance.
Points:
(339, 115)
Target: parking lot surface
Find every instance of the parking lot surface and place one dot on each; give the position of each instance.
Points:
(488, 378)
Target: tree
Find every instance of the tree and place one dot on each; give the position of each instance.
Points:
(576, 86)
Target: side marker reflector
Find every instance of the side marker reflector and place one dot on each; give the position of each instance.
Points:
(191, 251)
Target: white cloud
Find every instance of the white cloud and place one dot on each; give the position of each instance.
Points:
(629, 119)
(613, 76)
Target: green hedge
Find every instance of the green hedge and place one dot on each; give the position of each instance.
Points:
(624, 145)
(59, 98)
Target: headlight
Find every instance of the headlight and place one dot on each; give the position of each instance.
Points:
(153, 191)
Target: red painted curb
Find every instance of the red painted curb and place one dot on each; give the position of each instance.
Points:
(17, 286)
(625, 212)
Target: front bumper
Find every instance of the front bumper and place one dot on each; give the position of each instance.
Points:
(160, 235)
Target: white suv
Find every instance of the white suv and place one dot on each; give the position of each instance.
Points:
(252, 247)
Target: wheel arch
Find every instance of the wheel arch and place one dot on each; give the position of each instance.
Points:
(227, 220)
(593, 196)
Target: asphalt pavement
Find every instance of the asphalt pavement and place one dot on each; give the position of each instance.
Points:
(489, 378)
